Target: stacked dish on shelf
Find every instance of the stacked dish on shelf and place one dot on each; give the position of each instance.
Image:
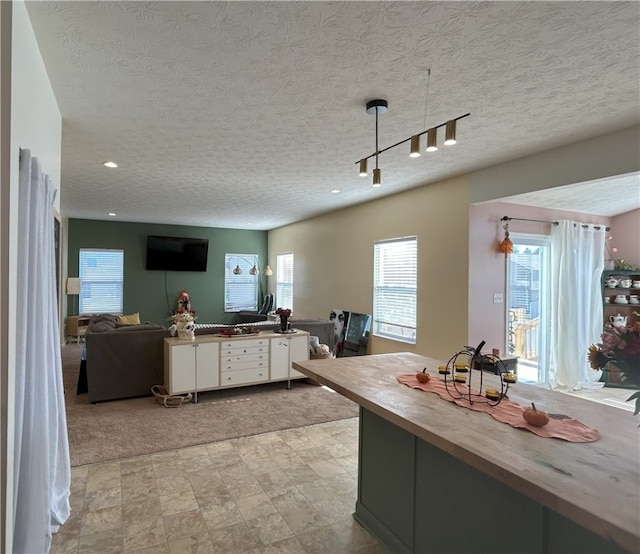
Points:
(622, 282)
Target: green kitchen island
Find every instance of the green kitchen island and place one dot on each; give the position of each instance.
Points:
(434, 477)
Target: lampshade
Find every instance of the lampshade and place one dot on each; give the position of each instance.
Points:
(268, 271)
(73, 285)
(415, 146)
(237, 270)
(450, 132)
(376, 178)
(254, 270)
(363, 168)
(432, 140)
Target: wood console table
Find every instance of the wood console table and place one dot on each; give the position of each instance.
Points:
(435, 477)
(77, 326)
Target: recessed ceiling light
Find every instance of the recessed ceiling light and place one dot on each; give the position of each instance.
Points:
(111, 214)
(335, 191)
(110, 164)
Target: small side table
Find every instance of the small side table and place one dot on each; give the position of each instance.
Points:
(77, 327)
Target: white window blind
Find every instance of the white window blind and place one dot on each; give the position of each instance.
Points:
(101, 274)
(240, 289)
(395, 278)
(284, 282)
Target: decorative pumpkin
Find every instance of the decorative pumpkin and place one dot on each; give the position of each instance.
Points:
(423, 377)
(535, 417)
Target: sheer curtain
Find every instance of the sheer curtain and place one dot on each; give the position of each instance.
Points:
(42, 470)
(577, 253)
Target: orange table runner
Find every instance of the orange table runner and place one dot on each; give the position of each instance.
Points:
(559, 426)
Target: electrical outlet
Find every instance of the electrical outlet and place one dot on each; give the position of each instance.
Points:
(497, 298)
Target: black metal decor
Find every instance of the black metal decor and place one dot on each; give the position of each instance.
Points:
(461, 372)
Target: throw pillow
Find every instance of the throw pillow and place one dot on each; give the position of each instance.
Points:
(132, 319)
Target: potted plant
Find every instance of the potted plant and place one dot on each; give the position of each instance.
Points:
(284, 314)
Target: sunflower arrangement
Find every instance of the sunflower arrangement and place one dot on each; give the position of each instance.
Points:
(620, 346)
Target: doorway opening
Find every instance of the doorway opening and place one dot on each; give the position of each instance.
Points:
(528, 307)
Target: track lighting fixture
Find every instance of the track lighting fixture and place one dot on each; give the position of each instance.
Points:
(379, 106)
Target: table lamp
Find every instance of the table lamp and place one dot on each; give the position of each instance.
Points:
(73, 289)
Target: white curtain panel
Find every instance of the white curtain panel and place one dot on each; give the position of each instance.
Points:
(42, 469)
(577, 253)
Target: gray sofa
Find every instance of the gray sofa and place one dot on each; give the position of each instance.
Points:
(123, 361)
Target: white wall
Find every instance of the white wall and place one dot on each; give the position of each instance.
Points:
(333, 262)
(35, 118)
(5, 155)
(587, 160)
(36, 124)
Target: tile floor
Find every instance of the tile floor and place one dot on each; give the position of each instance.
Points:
(290, 491)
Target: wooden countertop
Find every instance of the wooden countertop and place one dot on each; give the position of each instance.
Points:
(596, 485)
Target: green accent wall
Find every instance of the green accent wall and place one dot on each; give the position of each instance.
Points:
(153, 293)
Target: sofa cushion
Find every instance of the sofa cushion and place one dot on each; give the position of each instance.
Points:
(131, 319)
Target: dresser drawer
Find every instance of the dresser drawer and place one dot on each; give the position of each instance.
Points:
(243, 376)
(241, 343)
(236, 365)
(245, 350)
(242, 358)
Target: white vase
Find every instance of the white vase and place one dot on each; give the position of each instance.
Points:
(609, 265)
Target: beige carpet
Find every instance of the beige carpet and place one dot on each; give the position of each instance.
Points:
(126, 428)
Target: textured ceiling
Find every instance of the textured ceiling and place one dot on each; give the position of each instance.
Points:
(247, 114)
(606, 197)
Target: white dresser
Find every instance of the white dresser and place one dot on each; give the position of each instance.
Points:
(211, 362)
(244, 361)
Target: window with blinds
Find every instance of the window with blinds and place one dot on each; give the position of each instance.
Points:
(101, 275)
(395, 280)
(241, 287)
(284, 281)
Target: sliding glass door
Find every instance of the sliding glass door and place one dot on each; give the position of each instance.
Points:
(528, 308)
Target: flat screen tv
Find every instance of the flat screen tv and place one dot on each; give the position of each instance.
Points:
(176, 253)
